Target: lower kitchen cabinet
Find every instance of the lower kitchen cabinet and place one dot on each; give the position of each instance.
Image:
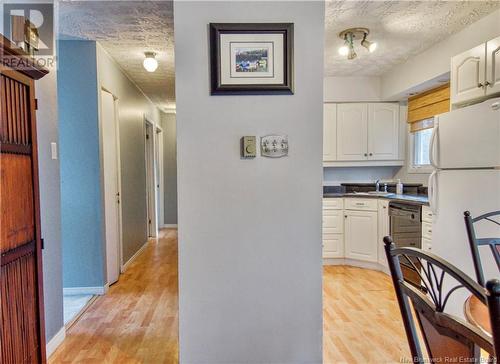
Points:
(383, 230)
(360, 235)
(333, 245)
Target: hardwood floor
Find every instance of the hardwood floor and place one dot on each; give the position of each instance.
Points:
(361, 318)
(137, 321)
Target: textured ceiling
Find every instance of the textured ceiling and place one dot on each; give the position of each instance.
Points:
(402, 29)
(127, 29)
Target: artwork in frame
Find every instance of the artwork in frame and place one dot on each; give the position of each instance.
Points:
(251, 58)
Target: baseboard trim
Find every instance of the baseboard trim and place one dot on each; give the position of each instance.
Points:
(137, 253)
(356, 263)
(54, 343)
(169, 226)
(99, 290)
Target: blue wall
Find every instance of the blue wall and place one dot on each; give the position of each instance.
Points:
(81, 199)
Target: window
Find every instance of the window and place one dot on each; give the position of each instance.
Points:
(419, 151)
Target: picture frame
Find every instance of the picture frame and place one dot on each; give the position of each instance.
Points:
(251, 58)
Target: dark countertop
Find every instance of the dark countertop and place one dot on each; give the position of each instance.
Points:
(415, 199)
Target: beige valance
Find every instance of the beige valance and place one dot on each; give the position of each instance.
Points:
(422, 108)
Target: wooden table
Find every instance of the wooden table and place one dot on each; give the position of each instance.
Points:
(477, 314)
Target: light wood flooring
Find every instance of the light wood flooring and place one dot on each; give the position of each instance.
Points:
(137, 321)
(361, 318)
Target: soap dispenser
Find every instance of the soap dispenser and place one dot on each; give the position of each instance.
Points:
(399, 187)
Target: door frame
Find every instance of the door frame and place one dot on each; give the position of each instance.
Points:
(119, 177)
(161, 182)
(151, 193)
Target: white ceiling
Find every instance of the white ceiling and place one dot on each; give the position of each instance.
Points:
(402, 29)
(127, 29)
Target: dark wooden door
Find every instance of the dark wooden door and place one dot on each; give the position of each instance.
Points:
(22, 329)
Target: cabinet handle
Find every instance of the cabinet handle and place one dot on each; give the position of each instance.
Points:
(345, 216)
(487, 83)
(371, 154)
(366, 155)
(480, 85)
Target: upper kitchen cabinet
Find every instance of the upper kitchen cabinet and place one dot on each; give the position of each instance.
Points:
(383, 131)
(361, 134)
(467, 75)
(352, 132)
(329, 128)
(493, 66)
(476, 73)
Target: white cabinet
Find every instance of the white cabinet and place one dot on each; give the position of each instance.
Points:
(333, 246)
(360, 235)
(467, 75)
(383, 131)
(493, 66)
(333, 222)
(476, 73)
(361, 132)
(333, 228)
(352, 132)
(383, 230)
(426, 228)
(329, 132)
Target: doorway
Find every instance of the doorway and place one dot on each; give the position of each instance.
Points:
(111, 169)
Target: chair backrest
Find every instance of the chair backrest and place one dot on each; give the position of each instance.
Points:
(475, 243)
(445, 336)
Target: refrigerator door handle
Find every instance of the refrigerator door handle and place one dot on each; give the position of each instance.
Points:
(432, 186)
(432, 142)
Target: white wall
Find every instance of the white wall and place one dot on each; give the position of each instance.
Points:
(435, 61)
(50, 202)
(249, 230)
(352, 89)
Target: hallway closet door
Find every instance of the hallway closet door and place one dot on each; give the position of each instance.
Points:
(111, 163)
(22, 335)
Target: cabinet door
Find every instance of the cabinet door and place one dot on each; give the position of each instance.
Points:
(493, 66)
(360, 234)
(333, 246)
(383, 131)
(329, 132)
(352, 132)
(383, 230)
(468, 75)
(332, 222)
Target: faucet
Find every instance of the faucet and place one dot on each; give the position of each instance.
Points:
(377, 186)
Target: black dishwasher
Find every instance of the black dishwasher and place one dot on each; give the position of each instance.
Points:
(406, 231)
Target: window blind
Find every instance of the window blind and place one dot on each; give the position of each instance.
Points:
(422, 108)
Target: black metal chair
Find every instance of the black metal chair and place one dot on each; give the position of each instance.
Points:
(447, 338)
(475, 243)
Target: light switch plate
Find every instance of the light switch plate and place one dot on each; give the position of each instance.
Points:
(53, 150)
(274, 146)
(248, 147)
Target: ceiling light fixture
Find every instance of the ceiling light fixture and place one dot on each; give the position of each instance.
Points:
(150, 63)
(352, 34)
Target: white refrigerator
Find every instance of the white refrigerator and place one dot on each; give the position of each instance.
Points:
(465, 155)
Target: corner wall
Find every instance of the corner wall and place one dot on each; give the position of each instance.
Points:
(250, 265)
(168, 125)
(132, 106)
(81, 194)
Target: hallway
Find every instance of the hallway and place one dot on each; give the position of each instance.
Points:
(137, 320)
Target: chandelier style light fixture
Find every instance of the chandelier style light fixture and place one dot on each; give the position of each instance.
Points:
(352, 34)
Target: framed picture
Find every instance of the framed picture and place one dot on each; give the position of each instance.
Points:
(251, 58)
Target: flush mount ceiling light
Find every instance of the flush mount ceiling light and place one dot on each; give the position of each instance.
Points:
(352, 34)
(150, 63)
